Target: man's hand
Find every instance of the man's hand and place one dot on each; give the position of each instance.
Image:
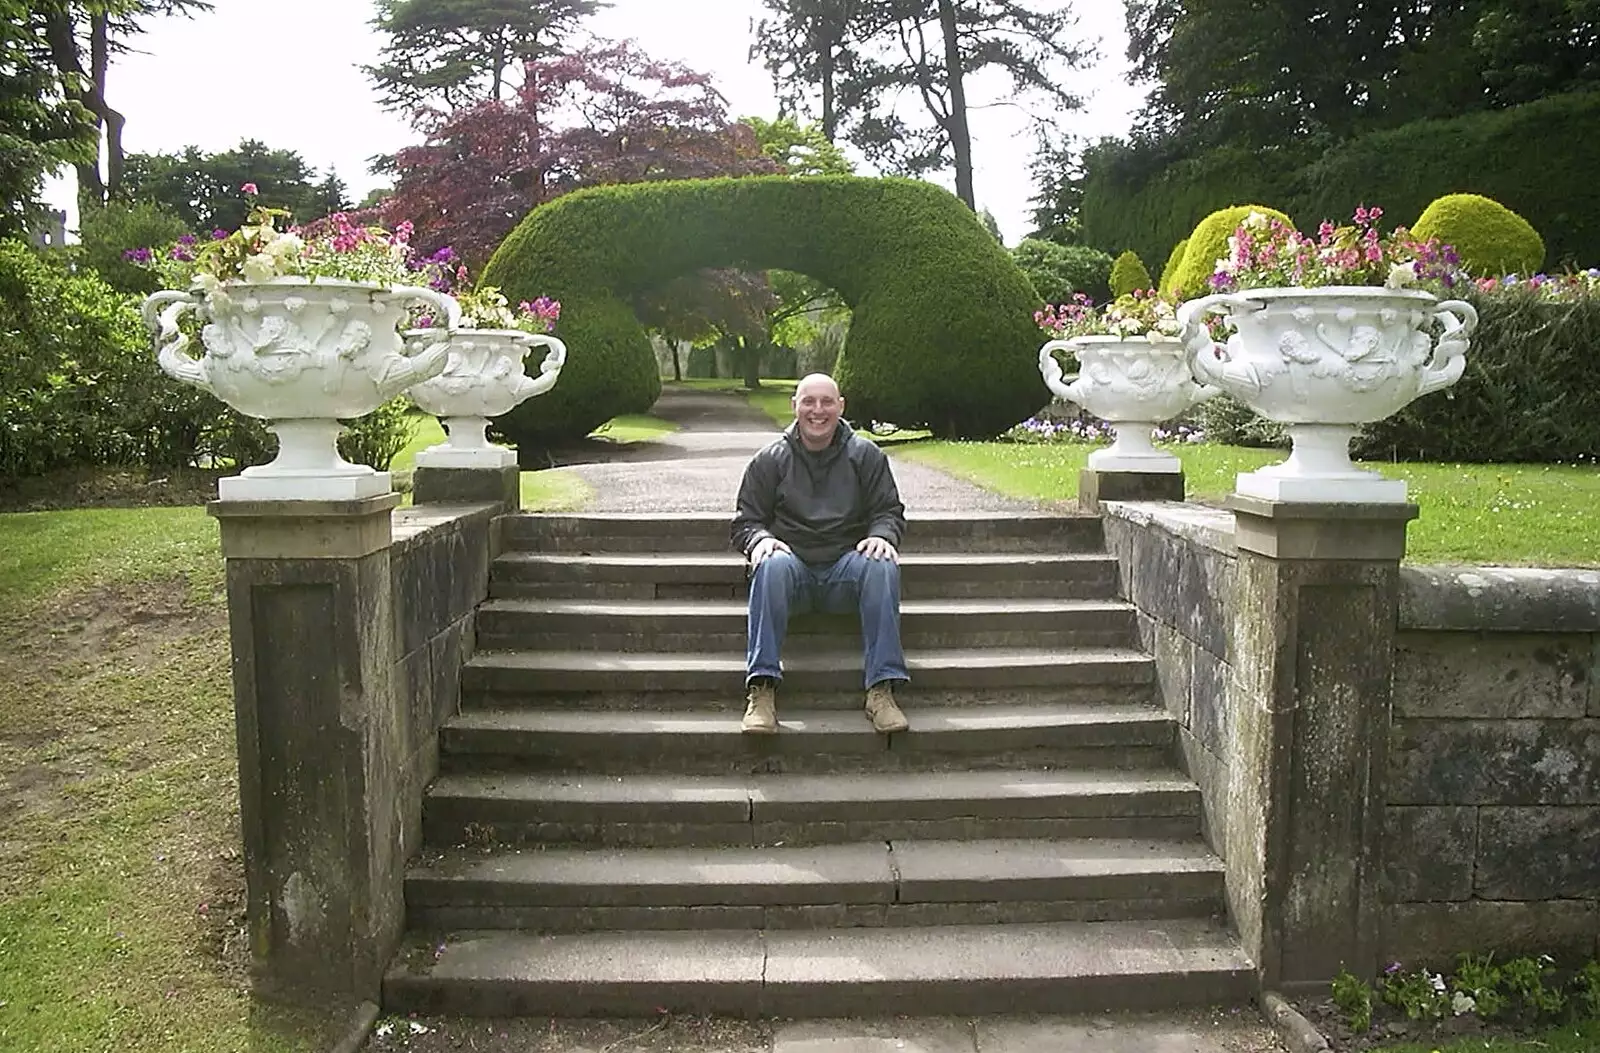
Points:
(764, 548)
(877, 548)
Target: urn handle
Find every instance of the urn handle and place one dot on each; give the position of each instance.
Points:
(162, 312)
(1449, 359)
(549, 369)
(1051, 370)
(1208, 360)
(430, 360)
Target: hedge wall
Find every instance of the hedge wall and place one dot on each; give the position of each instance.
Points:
(1535, 159)
(1530, 393)
(942, 332)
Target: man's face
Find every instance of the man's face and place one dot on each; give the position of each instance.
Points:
(817, 407)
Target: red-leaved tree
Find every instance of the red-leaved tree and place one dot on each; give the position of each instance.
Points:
(603, 115)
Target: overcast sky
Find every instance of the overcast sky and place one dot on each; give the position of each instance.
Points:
(213, 80)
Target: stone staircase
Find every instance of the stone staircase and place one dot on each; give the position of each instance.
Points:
(603, 840)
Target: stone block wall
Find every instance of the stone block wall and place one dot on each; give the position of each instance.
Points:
(1492, 812)
(439, 573)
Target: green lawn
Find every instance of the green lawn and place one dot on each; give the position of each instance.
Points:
(634, 428)
(1569, 1038)
(1538, 515)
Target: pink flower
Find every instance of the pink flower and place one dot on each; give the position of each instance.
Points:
(249, 188)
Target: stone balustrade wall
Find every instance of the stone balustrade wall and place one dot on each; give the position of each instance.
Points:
(1491, 784)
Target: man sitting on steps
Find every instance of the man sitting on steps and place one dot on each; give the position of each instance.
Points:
(819, 518)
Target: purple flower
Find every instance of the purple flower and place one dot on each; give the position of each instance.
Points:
(181, 252)
(1391, 968)
(186, 239)
(137, 255)
(218, 234)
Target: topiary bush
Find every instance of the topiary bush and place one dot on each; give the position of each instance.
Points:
(1169, 273)
(1489, 238)
(1128, 274)
(1057, 271)
(1209, 243)
(942, 333)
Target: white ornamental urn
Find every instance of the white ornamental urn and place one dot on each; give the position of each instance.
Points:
(302, 354)
(483, 378)
(1324, 361)
(1132, 383)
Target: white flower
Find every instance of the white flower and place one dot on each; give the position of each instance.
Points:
(1401, 275)
(384, 1030)
(285, 245)
(419, 1029)
(207, 281)
(1462, 1004)
(1436, 981)
(260, 267)
(1256, 220)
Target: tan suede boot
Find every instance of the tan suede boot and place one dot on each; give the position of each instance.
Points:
(885, 715)
(761, 709)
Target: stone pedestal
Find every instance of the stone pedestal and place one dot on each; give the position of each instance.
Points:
(1095, 486)
(1313, 646)
(468, 486)
(321, 741)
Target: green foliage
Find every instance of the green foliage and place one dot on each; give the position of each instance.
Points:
(1169, 271)
(1057, 271)
(1225, 419)
(78, 381)
(1128, 274)
(1480, 979)
(1525, 157)
(941, 333)
(378, 438)
(1208, 243)
(1530, 393)
(1146, 199)
(1524, 981)
(801, 149)
(1489, 238)
(1419, 994)
(1352, 995)
(203, 189)
(105, 233)
(1587, 994)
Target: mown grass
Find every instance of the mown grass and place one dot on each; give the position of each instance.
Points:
(1569, 1038)
(1530, 515)
(633, 428)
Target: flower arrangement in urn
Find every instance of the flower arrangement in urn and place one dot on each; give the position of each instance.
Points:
(1324, 334)
(1133, 372)
(300, 328)
(484, 376)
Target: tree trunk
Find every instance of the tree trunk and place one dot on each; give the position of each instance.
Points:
(830, 120)
(99, 63)
(677, 370)
(960, 139)
(88, 90)
(752, 349)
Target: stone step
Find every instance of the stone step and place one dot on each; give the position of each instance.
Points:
(1002, 735)
(1063, 967)
(676, 575)
(674, 809)
(709, 532)
(532, 674)
(719, 625)
(868, 884)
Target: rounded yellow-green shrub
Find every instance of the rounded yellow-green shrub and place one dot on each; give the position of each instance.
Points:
(1209, 243)
(1169, 273)
(1489, 238)
(1128, 274)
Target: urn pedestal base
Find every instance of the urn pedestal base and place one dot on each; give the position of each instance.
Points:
(308, 468)
(1097, 486)
(1319, 471)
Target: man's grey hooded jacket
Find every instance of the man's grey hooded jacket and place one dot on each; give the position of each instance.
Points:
(820, 504)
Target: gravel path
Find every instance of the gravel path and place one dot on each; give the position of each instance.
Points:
(698, 467)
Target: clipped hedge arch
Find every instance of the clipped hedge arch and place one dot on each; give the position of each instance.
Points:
(942, 335)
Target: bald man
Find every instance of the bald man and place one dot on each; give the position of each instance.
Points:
(819, 520)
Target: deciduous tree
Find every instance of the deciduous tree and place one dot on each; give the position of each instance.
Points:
(203, 189)
(603, 115)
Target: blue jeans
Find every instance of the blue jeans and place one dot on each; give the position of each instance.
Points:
(782, 585)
